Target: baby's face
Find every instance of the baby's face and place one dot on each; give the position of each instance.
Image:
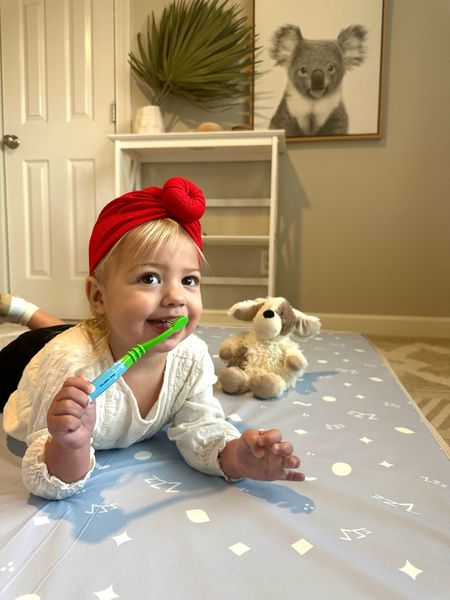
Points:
(140, 297)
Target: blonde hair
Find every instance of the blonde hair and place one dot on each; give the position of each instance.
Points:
(138, 244)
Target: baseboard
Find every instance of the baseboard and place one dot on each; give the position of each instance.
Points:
(395, 325)
(220, 317)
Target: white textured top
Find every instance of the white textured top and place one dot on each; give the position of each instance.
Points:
(186, 400)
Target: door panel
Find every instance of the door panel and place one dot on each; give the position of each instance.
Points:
(58, 85)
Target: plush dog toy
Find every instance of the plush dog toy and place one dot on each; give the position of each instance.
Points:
(265, 359)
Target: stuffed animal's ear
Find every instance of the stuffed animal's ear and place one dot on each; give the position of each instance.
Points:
(246, 310)
(306, 324)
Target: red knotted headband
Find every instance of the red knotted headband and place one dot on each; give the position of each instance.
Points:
(179, 199)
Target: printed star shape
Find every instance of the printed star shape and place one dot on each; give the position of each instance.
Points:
(197, 515)
(234, 417)
(122, 538)
(302, 546)
(107, 594)
(366, 440)
(411, 570)
(41, 520)
(239, 549)
(386, 464)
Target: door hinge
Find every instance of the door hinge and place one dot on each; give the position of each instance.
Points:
(113, 112)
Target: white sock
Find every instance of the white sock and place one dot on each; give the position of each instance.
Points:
(29, 311)
(20, 311)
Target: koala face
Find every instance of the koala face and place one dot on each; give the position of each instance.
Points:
(316, 68)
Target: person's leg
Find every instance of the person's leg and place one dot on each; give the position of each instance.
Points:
(17, 310)
(42, 319)
(15, 356)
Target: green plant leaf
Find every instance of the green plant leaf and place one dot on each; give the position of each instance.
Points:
(202, 51)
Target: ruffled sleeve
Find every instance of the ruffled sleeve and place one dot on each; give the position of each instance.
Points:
(26, 411)
(35, 474)
(199, 428)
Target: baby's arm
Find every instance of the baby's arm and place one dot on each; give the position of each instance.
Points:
(70, 422)
(261, 455)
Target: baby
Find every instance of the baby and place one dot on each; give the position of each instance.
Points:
(145, 262)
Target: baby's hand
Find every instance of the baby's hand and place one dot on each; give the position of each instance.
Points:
(261, 455)
(70, 417)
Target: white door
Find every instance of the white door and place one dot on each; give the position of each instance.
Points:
(58, 87)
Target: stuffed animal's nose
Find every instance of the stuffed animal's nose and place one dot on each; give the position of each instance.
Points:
(268, 314)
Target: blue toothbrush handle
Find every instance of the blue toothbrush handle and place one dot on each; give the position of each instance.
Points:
(107, 378)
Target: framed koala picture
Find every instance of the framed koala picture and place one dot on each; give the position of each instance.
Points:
(320, 72)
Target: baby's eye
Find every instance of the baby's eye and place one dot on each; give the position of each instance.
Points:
(149, 278)
(191, 281)
(303, 70)
(331, 68)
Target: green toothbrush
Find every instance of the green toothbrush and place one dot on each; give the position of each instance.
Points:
(112, 373)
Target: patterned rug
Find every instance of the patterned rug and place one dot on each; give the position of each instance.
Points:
(421, 365)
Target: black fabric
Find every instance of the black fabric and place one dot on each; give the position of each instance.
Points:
(16, 355)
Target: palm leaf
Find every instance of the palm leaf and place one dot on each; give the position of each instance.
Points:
(202, 51)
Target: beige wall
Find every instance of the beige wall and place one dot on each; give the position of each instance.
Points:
(365, 226)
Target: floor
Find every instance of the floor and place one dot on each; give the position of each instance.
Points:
(423, 367)
(421, 364)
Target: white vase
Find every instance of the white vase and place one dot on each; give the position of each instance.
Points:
(148, 119)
